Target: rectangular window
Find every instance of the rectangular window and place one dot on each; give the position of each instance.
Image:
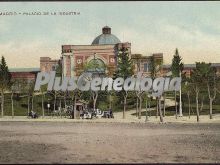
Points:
(146, 67)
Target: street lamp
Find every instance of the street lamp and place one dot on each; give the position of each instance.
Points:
(180, 111)
(48, 107)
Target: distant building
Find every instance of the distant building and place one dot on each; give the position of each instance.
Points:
(188, 68)
(24, 73)
(47, 64)
(144, 63)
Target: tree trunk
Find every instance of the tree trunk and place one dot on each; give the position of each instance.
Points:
(95, 96)
(2, 103)
(160, 112)
(42, 104)
(94, 104)
(202, 101)
(74, 110)
(146, 111)
(32, 104)
(140, 108)
(54, 104)
(12, 105)
(110, 101)
(197, 106)
(28, 104)
(188, 95)
(157, 107)
(125, 102)
(65, 101)
(210, 108)
(164, 105)
(60, 109)
(175, 104)
(137, 107)
(211, 98)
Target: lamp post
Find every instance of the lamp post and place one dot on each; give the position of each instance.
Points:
(180, 106)
(48, 107)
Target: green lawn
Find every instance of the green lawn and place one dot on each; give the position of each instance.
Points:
(21, 106)
(170, 111)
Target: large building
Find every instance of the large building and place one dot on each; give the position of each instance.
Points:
(103, 49)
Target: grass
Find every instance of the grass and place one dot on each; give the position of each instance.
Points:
(171, 111)
(21, 106)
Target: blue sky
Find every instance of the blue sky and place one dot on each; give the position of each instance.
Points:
(151, 27)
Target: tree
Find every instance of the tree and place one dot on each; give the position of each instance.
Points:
(31, 93)
(16, 85)
(198, 77)
(164, 105)
(24, 87)
(55, 93)
(139, 94)
(124, 69)
(177, 68)
(155, 67)
(97, 68)
(160, 112)
(211, 85)
(147, 98)
(43, 91)
(5, 81)
(13, 90)
(187, 88)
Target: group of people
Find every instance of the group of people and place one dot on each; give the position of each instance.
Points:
(33, 114)
(105, 114)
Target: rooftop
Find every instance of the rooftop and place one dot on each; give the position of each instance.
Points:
(24, 69)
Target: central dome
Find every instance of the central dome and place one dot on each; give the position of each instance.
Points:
(106, 38)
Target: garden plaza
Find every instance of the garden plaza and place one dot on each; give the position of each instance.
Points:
(85, 82)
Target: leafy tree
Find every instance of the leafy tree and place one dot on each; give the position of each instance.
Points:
(54, 93)
(137, 60)
(124, 70)
(16, 87)
(187, 88)
(210, 80)
(177, 68)
(177, 65)
(155, 67)
(59, 69)
(5, 81)
(43, 91)
(198, 77)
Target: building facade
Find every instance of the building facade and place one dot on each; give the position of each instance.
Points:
(103, 50)
(47, 64)
(28, 74)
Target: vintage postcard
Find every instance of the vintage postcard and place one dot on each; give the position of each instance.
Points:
(109, 82)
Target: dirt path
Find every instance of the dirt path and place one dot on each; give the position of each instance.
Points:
(66, 142)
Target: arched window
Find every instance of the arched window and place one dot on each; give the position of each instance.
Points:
(96, 65)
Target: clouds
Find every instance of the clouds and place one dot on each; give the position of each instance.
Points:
(150, 27)
(27, 54)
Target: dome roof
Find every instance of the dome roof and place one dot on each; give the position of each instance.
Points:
(106, 38)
